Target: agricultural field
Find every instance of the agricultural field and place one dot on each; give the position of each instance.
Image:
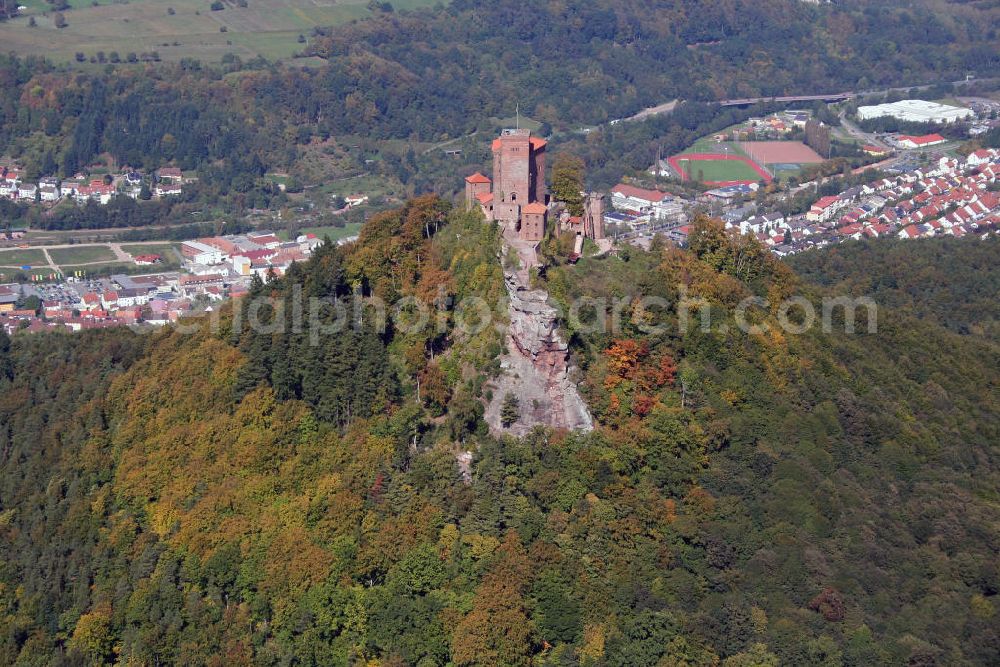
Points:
(81, 254)
(268, 28)
(22, 257)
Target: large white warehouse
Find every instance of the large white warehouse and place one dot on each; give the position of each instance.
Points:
(917, 111)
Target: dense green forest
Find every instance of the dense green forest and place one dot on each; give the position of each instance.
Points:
(921, 279)
(230, 497)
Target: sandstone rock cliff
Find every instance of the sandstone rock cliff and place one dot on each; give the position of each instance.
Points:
(535, 367)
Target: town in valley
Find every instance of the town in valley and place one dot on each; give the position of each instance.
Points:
(764, 176)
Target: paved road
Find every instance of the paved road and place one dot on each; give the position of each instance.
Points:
(858, 133)
(666, 107)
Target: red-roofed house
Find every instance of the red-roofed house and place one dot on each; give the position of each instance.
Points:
(982, 156)
(853, 230)
(825, 208)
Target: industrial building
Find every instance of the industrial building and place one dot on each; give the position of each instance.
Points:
(916, 111)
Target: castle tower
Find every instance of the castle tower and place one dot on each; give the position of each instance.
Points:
(518, 173)
(593, 215)
(476, 185)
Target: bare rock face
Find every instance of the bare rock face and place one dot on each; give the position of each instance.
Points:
(535, 367)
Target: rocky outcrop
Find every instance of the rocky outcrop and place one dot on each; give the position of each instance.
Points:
(535, 367)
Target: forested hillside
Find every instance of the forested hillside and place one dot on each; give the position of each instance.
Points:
(592, 61)
(240, 498)
(921, 279)
(437, 74)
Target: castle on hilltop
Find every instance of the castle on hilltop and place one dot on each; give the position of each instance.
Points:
(516, 195)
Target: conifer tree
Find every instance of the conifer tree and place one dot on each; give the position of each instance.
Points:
(510, 411)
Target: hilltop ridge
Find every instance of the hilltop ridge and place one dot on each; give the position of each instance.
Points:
(744, 497)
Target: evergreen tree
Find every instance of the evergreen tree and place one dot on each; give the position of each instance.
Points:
(6, 364)
(510, 410)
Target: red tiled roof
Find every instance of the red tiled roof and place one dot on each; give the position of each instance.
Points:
(536, 143)
(534, 208)
(824, 202)
(638, 193)
(485, 197)
(922, 140)
(477, 178)
(225, 245)
(254, 255)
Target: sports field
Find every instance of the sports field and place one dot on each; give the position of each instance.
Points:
(780, 152)
(716, 169)
(268, 28)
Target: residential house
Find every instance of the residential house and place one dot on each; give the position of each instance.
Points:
(168, 190)
(825, 208)
(172, 174)
(49, 193)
